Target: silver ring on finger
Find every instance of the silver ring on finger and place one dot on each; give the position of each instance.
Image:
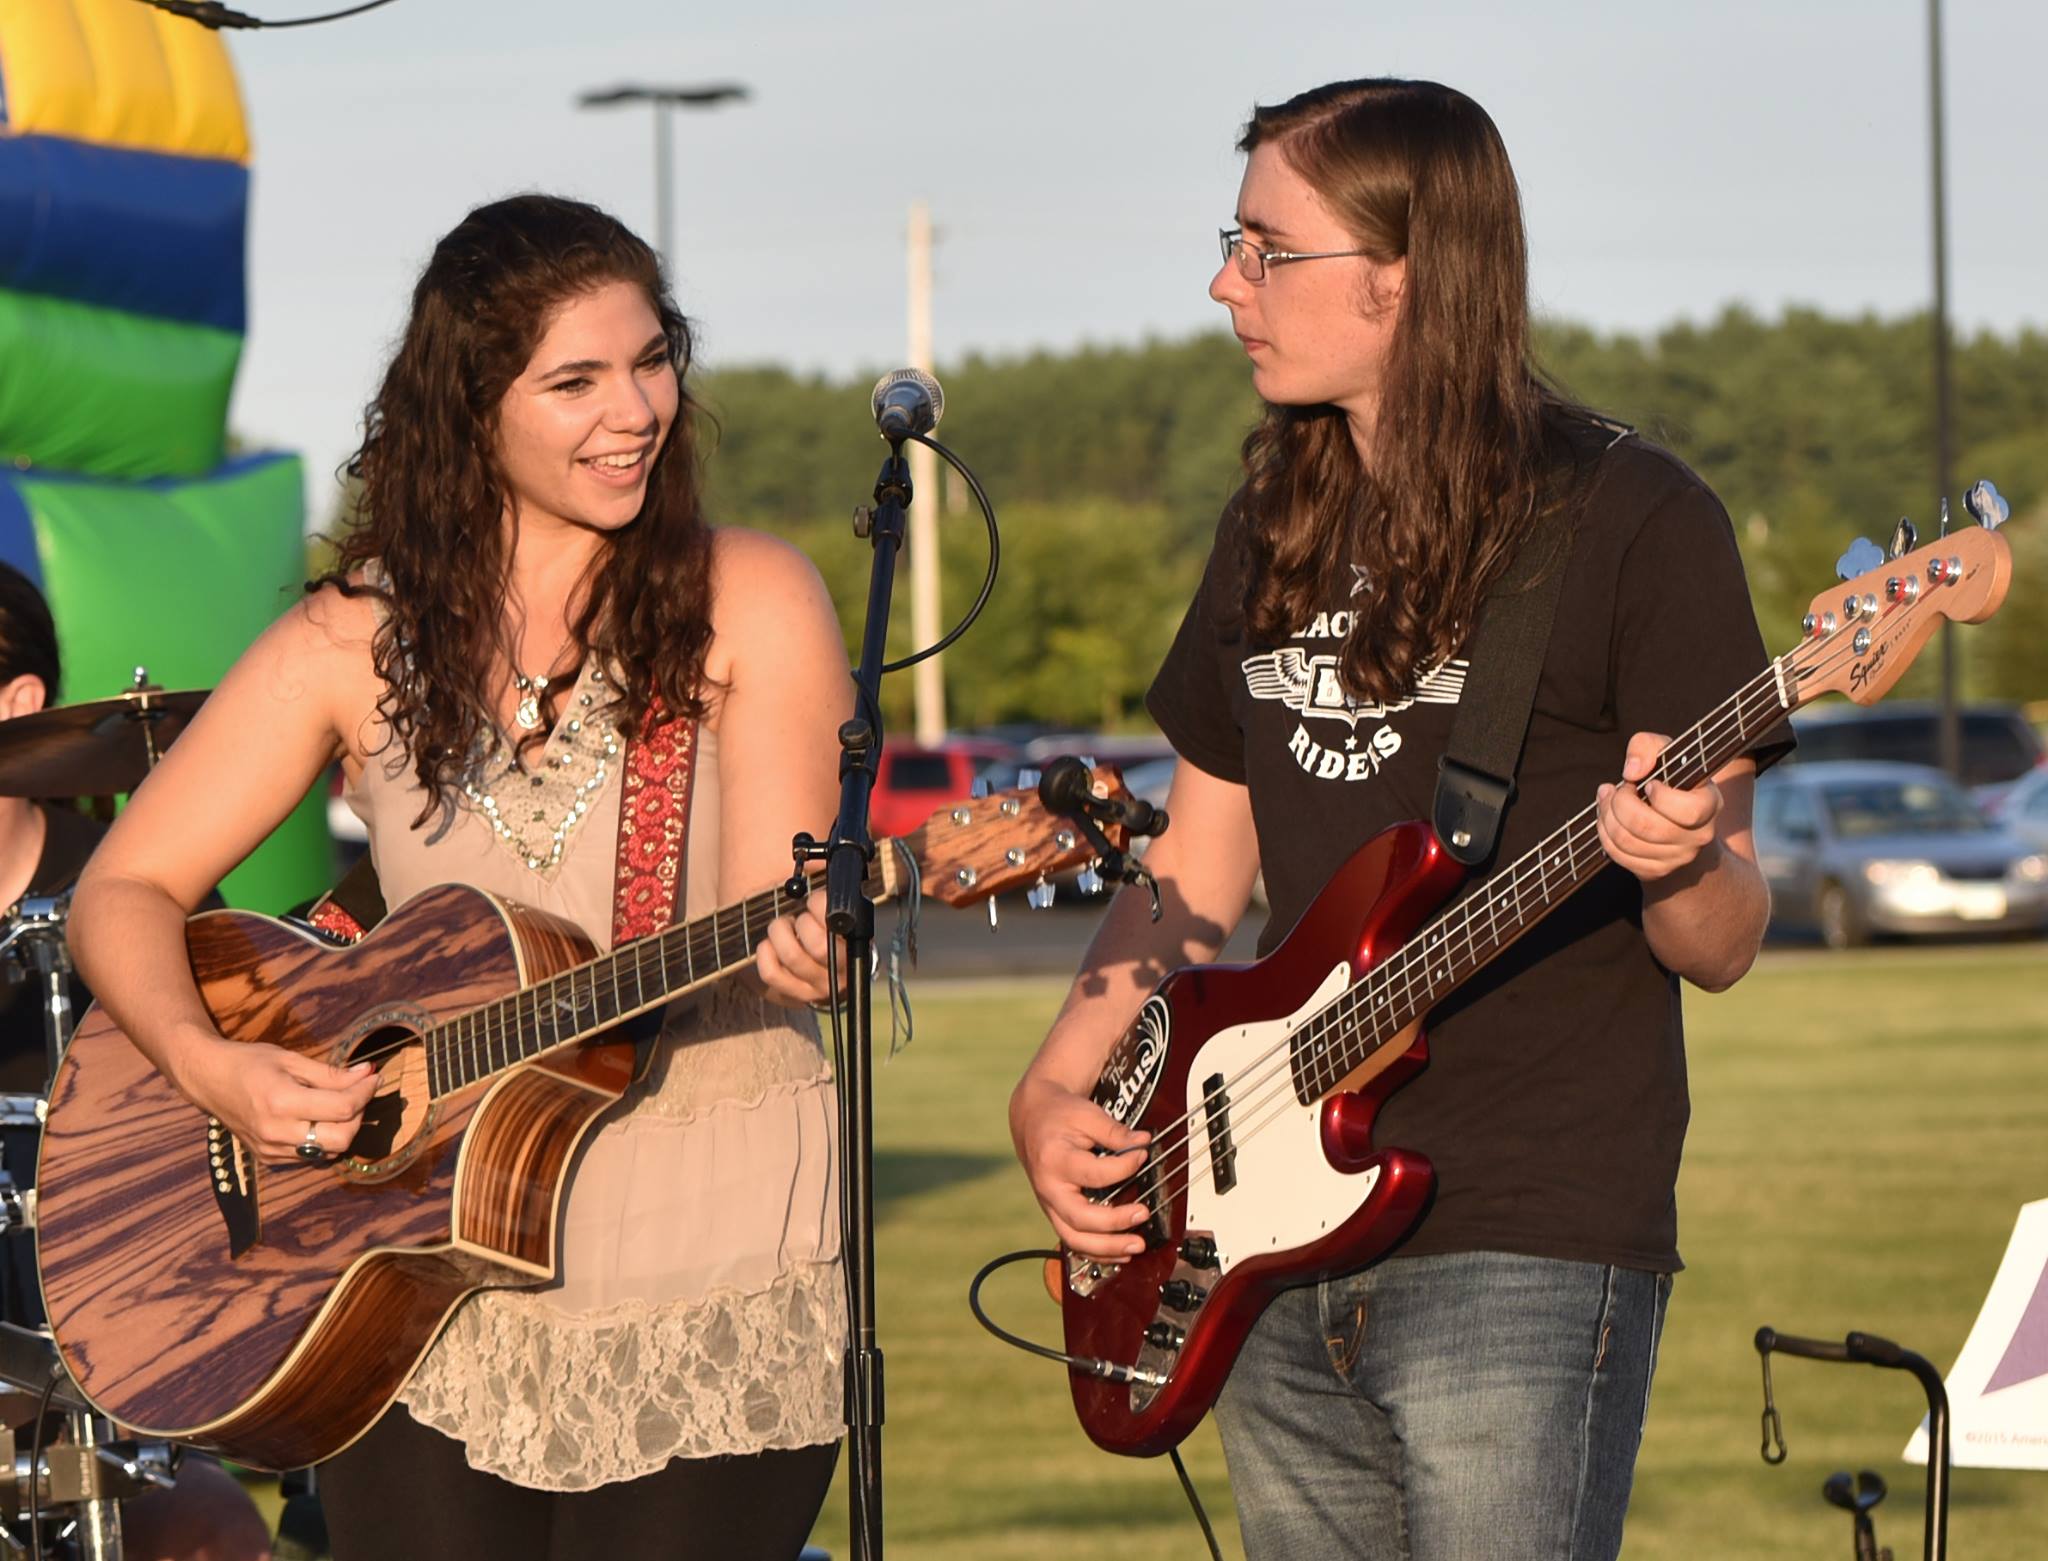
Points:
(309, 1147)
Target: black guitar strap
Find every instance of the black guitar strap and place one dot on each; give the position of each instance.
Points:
(1476, 776)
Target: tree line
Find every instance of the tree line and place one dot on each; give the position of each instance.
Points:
(1109, 466)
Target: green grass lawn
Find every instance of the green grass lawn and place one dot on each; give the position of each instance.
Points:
(1865, 1127)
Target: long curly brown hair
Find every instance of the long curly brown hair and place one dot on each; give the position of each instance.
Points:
(433, 500)
(1469, 443)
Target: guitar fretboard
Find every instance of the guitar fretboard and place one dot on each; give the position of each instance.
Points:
(579, 1003)
(1340, 1037)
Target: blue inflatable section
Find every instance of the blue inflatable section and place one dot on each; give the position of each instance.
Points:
(18, 534)
(140, 232)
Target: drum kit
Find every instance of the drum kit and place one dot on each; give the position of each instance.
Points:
(64, 1470)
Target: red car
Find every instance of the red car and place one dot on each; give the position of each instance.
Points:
(914, 783)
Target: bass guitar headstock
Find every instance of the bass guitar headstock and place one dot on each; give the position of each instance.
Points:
(1862, 635)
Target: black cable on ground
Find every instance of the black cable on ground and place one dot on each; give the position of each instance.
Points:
(1074, 1363)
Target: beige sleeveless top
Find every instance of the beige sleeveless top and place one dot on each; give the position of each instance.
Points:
(700, 1308)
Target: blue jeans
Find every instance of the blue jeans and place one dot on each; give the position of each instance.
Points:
(1444, 1408)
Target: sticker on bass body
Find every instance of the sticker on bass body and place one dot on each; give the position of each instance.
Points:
(1133, 1072)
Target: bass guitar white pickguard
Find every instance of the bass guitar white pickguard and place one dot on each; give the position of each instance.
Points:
(1278, 1189)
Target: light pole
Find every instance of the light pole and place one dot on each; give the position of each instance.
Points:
(664, 99)
(1950, 729)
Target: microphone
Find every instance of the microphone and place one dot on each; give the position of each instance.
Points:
(1064, 788)
(907, 401)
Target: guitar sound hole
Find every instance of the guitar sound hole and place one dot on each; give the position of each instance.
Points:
(397, 1113)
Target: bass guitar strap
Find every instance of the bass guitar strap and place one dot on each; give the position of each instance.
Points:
(1476, 775)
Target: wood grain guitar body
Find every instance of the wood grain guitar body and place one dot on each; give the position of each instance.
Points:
(272, 1311)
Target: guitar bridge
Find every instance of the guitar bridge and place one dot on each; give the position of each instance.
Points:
(231, 1172)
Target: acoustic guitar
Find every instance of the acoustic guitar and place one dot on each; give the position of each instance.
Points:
(271, 1311)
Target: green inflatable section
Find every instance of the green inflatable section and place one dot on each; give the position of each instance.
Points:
(180, 578)
(106, 394)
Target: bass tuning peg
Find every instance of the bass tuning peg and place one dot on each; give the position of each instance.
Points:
(1986, 504)
(1903, 539)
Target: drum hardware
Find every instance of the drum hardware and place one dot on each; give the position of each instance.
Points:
(76, 1482)
(32, 941)
(82, 1471)
(67, 1492)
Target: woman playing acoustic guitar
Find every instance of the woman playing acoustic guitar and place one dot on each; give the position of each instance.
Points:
(530, 591)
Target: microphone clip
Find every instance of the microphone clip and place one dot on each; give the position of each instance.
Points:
(1067, 788)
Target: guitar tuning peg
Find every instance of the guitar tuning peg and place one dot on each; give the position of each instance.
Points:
(1986, 504)
(1863, 556)
(1039, 896)
(980, 788)
(991, 903)
(1903, 539)
(1027, 778)
(1089, 881)
(1944, 517)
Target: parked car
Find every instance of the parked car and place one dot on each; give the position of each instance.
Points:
(913, 783)
(1123, 750)
(2024, 808)
(1998, 743)
(1853, 850)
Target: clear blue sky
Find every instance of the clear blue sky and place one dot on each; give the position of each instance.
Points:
(1077, 159)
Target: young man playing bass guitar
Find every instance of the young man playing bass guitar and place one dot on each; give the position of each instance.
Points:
(1482, 1390)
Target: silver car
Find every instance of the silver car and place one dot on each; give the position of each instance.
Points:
(1853, 850)
(2023, 808)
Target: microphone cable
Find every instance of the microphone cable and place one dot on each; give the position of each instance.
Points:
(995, 553)
(212, 14)
(1092, 1368)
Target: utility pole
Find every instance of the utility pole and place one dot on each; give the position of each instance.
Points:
(1951, 720)
(929, 688)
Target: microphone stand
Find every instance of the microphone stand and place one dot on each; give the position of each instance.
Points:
(850, 914)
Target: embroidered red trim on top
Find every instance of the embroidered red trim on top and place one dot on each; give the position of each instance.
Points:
(654, 819)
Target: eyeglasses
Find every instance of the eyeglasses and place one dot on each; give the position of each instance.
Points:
(1252, 260)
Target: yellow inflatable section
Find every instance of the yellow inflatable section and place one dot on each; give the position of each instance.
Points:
(119, 74)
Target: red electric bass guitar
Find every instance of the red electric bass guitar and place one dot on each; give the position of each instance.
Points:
(1259, 1083)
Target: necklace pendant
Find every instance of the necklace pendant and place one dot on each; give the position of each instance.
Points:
(528, 713)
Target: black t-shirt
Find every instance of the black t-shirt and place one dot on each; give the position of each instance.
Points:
(1554, 1105)
(68, 839)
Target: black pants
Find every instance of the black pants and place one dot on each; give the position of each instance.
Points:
(406, 1490)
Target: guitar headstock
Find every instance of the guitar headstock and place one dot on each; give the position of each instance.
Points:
(1862, 635)
(970, 851)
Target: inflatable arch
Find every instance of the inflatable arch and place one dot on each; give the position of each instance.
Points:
(124, 202)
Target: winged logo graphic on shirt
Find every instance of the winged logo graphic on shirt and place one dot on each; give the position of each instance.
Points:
(1311, 685)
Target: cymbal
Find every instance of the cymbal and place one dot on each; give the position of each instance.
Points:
(94, 749)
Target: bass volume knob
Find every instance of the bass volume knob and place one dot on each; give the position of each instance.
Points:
(1165, 1336)
(1198, 1251)
(1180, 1296)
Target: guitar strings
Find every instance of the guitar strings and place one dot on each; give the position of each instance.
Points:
(701, 944)
(1413, 973)
(1418, 982)
(1353, 999)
